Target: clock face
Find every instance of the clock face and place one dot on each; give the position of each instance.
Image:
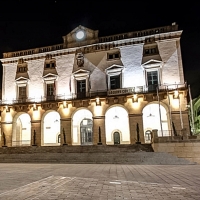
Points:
(80, 34)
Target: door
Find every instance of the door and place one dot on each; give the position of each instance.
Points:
(86, 132)
(116, 138)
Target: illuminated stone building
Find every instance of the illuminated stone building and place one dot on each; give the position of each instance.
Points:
(91, 90)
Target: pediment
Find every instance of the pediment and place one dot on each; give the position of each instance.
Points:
(80, 27)
(72, 39)
(50, 76)
(151, 63)
(21, 80)
(20, 77)
(81, 72)
(115, 68)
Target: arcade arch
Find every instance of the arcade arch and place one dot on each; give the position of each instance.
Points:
(155, 117)
(117, 126)
(50, 129)
(21, 133)
(82, 127)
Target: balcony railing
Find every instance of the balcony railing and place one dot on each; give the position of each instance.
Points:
(92, 94)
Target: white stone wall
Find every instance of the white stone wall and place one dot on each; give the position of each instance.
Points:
(188, 150)
(169, 55)
(9, 86)
(133, 72)
(97, 63)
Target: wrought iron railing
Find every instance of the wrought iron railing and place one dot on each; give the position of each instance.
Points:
(92, 94)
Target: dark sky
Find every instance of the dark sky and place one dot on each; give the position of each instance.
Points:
(29, 24)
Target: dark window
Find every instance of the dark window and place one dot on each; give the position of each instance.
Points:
(149, 51)
(81, 88)
(50, 91)
(115, 82)
(22, 92)
(113, 56)
(22, 69)
(152, 80)
(50, 65)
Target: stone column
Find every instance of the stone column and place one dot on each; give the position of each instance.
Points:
(66, 125)
(99, 121)
(133, 120)
(154, 136)
(6, 134)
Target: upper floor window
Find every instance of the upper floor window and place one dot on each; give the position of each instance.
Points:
(50, 63)
(114, 55)
(81, 83)
(152, 74)
(21, 66)
(150, 50)
(22, 92)
(115, 82)
(22, 69)
(114, 74)
(152, 80)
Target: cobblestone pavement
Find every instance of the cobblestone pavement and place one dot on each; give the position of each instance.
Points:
(99, 182)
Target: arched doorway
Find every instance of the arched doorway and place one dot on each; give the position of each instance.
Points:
(116, 137)
(21, 133)
(86, 131)
(82, 127)
(50, 129)
(155, 117)
(117, 126)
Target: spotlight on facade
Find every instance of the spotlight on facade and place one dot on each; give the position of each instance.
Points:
(65, 105)
(98, 102)
(7, 109)
(35, 107)
(135, 98)
(176, 94)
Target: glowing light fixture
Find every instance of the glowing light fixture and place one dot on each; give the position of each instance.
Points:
(65, 105)
(176, 94)
(7, 109)
(98, 102)
(135, 98)
(35, 107)
(80, 34)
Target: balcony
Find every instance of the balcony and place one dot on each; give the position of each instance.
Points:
(93, 94)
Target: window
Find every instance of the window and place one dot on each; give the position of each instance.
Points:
(22, 93)
(115, 55)
(81, 88)
(114, 76)
(50, 91)
(152, 80)
(115, 82)
(50, 65)
(22, 69)
(81, 83)
(21, 66)
(150, 50)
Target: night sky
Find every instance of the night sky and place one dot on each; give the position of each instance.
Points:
(30, 24)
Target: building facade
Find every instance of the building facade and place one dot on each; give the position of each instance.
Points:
(93, 90)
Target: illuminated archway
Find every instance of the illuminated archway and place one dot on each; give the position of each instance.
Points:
(82, 127)
(21, 133)
(155, 117)
(50, 129)
(117, 121)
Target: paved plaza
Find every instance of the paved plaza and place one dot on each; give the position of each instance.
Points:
(99, 182)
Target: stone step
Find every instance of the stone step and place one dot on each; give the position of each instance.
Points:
(137, 158)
